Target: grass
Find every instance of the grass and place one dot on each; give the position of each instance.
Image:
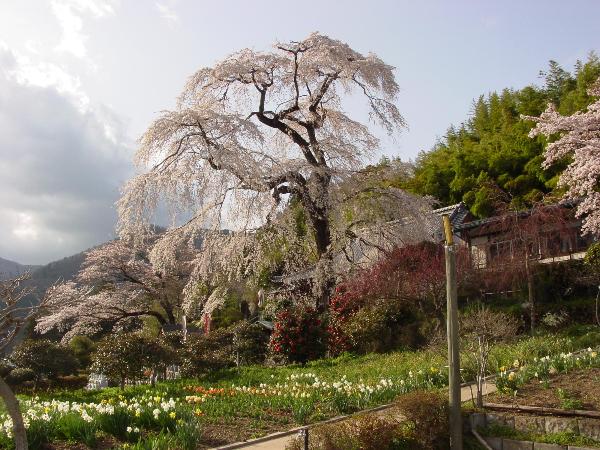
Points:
(567, 400)
(237, 404)
(564, 438)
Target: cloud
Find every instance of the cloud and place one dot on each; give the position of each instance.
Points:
(70, 14)
(61, 165)
(45, 74)
(167, 12)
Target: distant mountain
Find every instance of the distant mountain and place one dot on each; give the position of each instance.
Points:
(62, 270)
(11, 269)
(42, 277)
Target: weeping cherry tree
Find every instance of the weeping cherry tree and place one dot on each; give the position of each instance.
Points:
(257, 128)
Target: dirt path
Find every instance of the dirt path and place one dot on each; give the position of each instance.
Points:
(281, 442)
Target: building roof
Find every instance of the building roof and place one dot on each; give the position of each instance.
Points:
(457, 213)
(494, 219)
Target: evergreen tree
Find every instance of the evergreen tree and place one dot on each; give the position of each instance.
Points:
(491, 153)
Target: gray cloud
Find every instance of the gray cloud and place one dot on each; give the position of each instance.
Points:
(61, 168)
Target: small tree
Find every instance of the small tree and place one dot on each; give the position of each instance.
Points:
(578, 143)
(250, 342)
(522, 233)
(481, 329)
(126, 356)
(117, 283)
(83, 348)
(14, 314)
(208, 352)
(45, 358)
(592, 263)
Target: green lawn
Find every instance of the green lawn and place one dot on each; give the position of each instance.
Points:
(235, 404)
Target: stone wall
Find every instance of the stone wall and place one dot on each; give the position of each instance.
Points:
(535, 424)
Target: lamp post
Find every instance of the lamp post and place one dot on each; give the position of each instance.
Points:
(453, 345)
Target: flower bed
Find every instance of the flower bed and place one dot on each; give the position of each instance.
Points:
(238, 404)
(510, 380)
(305, 395)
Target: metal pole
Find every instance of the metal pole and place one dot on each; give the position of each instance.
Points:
(304, 437)
(453, 345)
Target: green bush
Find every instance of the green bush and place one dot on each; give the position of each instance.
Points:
(427, 412)
(365, 432)
(20, 375)
(83, 347)
(382, 326)
(207, 352)
(250, 342)
(71, 382)
(45, 358)
(592, 257)
(129, 356)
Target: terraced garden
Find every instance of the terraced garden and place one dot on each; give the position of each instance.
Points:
(236, 404)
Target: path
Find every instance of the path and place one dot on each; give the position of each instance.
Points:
(281, 442)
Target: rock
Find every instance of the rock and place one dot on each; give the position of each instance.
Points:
(498, 419)
(530, 423)
(561, 425)
(510, 444)
(477, 420)
(494, 442)
(589, 428)
(540, 446)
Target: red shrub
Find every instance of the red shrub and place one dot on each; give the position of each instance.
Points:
(413, 274)
(299, 334)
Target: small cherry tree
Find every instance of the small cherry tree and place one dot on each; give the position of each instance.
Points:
(481, 329)
(525, 232)
(578, 143)
(117, 283)
(14, 314)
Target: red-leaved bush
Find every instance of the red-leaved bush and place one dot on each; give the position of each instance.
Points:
(413, 276)
(299, 334)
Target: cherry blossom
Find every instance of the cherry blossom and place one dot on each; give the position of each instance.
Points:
(259, 127)
(578, 143)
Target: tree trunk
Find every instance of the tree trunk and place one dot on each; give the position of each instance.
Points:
(597, 299)
(324, 279)
(480, 373)
(316, 204)
(322, 234)
(530, 294)
(12, 406)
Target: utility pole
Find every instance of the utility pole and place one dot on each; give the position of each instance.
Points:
(453, 346)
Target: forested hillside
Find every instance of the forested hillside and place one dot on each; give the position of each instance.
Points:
(490, 153)
(11, 269)
(61, 270)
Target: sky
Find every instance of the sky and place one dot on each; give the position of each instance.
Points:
(80, 80)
